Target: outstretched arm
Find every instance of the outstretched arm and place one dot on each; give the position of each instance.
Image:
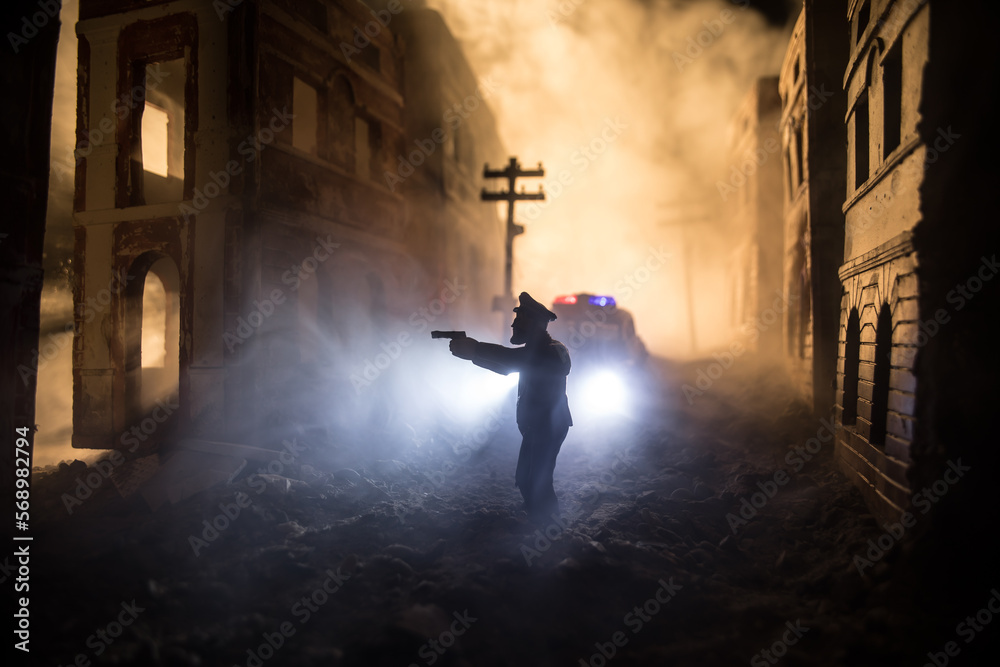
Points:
(497, 358)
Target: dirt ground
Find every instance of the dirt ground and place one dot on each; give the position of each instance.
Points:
(426, 558)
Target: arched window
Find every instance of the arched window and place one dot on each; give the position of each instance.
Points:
(852, 354)
(861, 140)
(152, 335)
(805, 314)
(305, 106)
(160, 346)
(863, 16)
(892, 99)
(862, 129)
(161, 133)
(880, 381)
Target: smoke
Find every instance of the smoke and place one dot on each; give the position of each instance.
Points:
(54, 395)
(627, 104)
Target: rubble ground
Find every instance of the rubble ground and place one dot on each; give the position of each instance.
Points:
(427, 559)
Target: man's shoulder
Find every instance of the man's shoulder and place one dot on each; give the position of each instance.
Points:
(555, 348)
(557, 344)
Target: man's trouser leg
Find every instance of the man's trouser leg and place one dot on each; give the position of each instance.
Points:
(539, 451)
(522, 476)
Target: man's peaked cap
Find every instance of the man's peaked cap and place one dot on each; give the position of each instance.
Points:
(531, 308)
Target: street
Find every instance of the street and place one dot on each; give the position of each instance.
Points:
(699, 533)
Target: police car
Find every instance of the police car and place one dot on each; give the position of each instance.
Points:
(607, 354)
(596, 330)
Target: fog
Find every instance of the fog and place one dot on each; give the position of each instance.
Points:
(54, 394)
(627, 104)
(623, 101)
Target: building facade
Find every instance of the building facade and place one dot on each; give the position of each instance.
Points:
(812, 126)
(879, 319)
(448, 115)
(754, 212)
(239, 250)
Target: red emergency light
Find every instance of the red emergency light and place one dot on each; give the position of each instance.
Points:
(569, 299)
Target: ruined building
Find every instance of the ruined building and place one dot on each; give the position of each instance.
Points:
(812, 126)
(235, 170)
(448, 115)
(752, 195)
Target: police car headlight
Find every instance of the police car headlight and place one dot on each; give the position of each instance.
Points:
(603, 392)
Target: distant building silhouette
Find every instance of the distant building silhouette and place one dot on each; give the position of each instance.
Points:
(813, 137)
(450, 229)
(753, 208)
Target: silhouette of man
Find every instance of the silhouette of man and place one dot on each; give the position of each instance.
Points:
(543, 416)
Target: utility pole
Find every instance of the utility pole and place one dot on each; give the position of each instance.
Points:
(512, 172)
(684, 218)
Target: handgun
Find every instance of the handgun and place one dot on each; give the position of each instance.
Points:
(453, 335)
